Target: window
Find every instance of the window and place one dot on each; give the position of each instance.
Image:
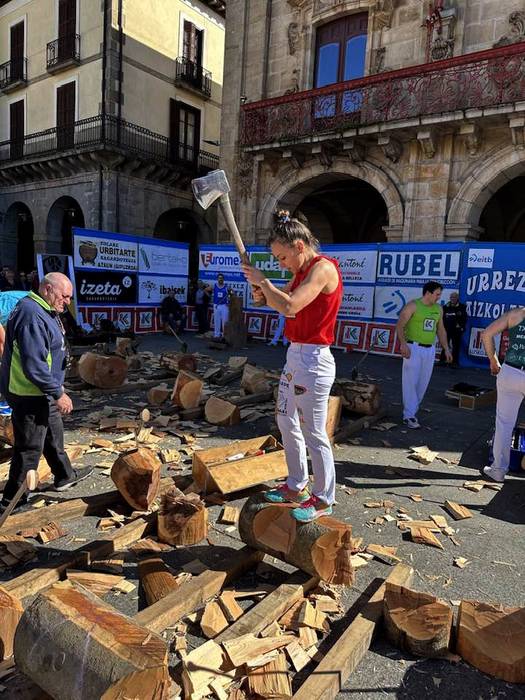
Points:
(17, 52)
(192, 43)
(66, 98)
(16, 129)
(67, 24)
(185, 128)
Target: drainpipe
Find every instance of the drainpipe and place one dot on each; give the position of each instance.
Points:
(267, 32)
(103, 113)
(119, 110)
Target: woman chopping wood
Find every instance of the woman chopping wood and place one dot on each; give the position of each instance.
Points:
(310, 303)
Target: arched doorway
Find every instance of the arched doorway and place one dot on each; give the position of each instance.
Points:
(183, 226)
(63, 215)
(503, 217)
(18, 248)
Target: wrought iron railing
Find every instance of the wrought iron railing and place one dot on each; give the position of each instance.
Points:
(193, 74)
(109, 132)
(65, 49)
(13, 71)
(483, 79)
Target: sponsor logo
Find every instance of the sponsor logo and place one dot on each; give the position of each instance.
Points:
(475, 346)
(395, 303)
(380, 338)
(481, 257)
(106, 287)
(146, 319)
(220, 259)
(352, 335)
(419, 266)
(429, 324)
(254, 324)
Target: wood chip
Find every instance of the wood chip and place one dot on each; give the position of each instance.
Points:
(457, 511)
(423, 454)
(229, 515)
(461, 562)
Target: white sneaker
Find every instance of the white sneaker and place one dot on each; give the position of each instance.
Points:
(412, 423)
(497, 475)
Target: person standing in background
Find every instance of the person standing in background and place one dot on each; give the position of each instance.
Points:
(202, 302)
(221, 295)
(455, 321)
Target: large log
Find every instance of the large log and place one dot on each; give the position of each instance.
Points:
(74, 645)
(254, 379)
(183, 518)
(155, 579)
(492, 639)
(136, 474)
(321, 548)
(417, 622)
(10, 613)
(187, 390)
(235, 331)
(220, 412)
(102, 371)
(358, 397)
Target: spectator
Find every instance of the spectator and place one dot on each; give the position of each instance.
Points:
(172, 314)
(202, 302)
(455, 322)
(221, 295)
(24, 282)
(10, 283)
(279, 331)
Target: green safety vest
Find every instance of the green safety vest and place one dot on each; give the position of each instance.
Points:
(422, 327)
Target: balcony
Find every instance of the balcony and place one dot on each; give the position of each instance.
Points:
(470, 86)
(105, 136)
(62, 53)
(13, 74)
(192, 76)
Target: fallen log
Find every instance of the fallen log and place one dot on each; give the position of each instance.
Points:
(492, 639)
(417, 622)
(69, 642)
(220, 412)
(320, 548)
(358, 397)
(187, 390)
(183, 518)
(102, 371)
(254, 380)
(155, 579)
(136, 474)
(10, 613)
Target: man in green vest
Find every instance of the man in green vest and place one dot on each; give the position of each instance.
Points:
(510, 385)
(419, 323)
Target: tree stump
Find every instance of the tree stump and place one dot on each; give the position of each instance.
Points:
(155, 579)
(220, 412)
(417, 622)
(102, 371)
(10, 613)
(358, 397)
(74, 645)
(187, 390)
(182, 518)
(321, 548)
(235, 331)
(492, 639)
(254, 379)
(157, 395)
(136, 474)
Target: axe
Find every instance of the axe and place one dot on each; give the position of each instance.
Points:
(215, 186)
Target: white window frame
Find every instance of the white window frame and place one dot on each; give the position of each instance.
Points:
(61, 83)
(77, 18)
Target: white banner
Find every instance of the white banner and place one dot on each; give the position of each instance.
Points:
(215, 261)
(358, 301)
(104, 253)
(418, 267)
(153, 288)
(162, 259)
(356, 265)
(390, 300)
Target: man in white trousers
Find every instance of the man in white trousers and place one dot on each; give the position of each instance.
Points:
(221, 295)
(510, 385)
(419, 323)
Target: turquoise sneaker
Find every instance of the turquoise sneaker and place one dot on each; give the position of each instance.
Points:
(311, 509)
(282, 494)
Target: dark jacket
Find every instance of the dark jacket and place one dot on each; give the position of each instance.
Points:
(170, 305)
(35, 355)
(455, 317)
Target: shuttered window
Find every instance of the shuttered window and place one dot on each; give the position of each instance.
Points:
(66, 95)
(185, 126)
(16, 129)
(67, 22)
(17, 51)
(192, 43)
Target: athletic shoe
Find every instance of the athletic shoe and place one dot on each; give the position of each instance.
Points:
(79, 475)
(497, 475)
(6, 411)
(412, 423)
(282, 494)
(311, 509)
(272, 343)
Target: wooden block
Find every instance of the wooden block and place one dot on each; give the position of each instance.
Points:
(272, 680)
(311, 617)
(241, 649)
(384, 554)
(51, 531)
(109, 565)
(10, 613)
(307, 637)
(333, 418)
(97, 583)
(422, 535)
(220, 412)
(290, 619)
(229, 515)
(457, 511)
(440, 521)
(202, 666)
(182, 519)
(273, 630)
(230, 607)
(172, 455)
(213, 620)
(297, 655)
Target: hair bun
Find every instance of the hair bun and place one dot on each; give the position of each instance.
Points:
(284, 216)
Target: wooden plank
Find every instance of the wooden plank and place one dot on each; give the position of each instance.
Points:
(457, 511)
(325, 682)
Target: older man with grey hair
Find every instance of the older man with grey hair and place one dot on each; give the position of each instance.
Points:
(31, 379)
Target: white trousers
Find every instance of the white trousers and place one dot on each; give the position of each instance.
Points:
(511, 392)
(220, 316)
(302, 407)
(416, 375)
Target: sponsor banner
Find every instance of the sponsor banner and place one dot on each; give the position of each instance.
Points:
(358, 301)
(256, 323)
(389, 301)
(124, 319)
(163, 259)
(357, 266)
(399, 266)
(108, 288)
(51, 262)
(214, 259)
(351, 334)
(264, 261)
(480, 257)
(100, 251)
(239, 288)
(380, 338)
(96, 315)
(153, 288)
(475, 345)
(145, 320)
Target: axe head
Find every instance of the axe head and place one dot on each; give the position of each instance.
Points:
(209, 188)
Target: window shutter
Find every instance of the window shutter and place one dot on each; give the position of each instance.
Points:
(66, 115)
(16, 128)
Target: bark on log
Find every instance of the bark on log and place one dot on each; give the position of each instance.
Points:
(136, 474)
(187, 390)
(182, 519)
(10, 613)
(155, 579)
(235, 331)
(74, 645)
(492, 639)
(220, 412)
(358, 397)
(417, 622)
(321, 548)
(102, 371)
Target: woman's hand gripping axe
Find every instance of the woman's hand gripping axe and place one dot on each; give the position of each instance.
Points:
(215, 187)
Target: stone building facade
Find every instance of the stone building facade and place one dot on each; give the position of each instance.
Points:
(397, 120)
(108, 108)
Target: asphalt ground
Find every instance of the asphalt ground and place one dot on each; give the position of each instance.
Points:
(373, 467)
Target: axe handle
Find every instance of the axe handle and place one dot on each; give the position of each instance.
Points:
(24, 486)
(227, 212)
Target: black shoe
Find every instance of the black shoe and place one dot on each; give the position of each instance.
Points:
(79, 475)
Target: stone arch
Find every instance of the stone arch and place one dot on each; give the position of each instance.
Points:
(63, 214)
(185, 226)
(293, 185)
(481, 183)
(18, 247)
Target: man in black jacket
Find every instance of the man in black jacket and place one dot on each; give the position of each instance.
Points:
(172, 313)
(31, 379)
(455, 322)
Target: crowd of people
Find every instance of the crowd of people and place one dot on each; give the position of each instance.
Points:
(11, 280)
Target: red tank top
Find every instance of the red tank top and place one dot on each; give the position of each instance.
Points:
(315, 324)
